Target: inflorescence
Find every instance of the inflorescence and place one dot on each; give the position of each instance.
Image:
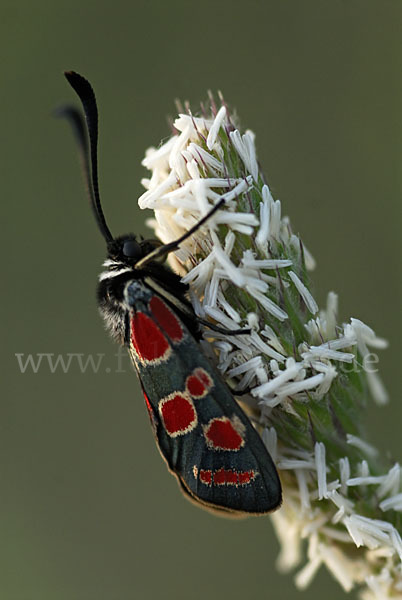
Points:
(307, 376)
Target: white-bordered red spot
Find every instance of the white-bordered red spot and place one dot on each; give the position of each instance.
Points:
(232, 477)
(222, 433)
(178, 413)
(246, 477)
(206, 476)
(224, 476)
(147, 340)
(199, 383)
(166, 319)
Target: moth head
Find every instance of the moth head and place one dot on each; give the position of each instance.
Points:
(126, 249)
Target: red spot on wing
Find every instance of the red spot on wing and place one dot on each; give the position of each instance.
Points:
(148, 340)
(226, 477)
(220, 434)
(205, 378)
(199, 383)
(178, 414)
(246, 477)
(166, 319)
(206, 476)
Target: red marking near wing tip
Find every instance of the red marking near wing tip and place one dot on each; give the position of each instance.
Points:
(230, 477)
(225, 476)
(206, 476)
(221, 435)
(149, 342)
(166, 319)
(199, 383)
(178, 414)
(245, 477)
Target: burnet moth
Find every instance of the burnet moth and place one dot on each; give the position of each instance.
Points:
(206, 439)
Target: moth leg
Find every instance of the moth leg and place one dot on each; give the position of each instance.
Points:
(165, 249)
(244, 392)
(218, 329)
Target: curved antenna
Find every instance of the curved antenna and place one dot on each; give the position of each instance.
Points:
(84, 90)
(76, 120)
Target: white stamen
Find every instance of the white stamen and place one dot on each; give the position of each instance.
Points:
(331, 314)
(391, 485)
(220, 317)
(366, 448)
(154, 156)
(370, 480)
(301, 477)
(344, 470)
(300, 386)
(377, 388)
(265, 348)
(265, 217)
(287, 464)
(321, 469)
(265, 264)
(148, 199)
(266, 303)
(339, 566)
(253, 363)
(307, 573)
(322, 352)
(341, 502)
(233, 314)
(215, 127)
(304, 293)
(269, 388)
(394, 503)
(270, 439)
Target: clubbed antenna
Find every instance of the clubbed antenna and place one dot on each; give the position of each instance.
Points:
(87, 96)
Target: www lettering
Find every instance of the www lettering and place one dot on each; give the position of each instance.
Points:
(31, 363)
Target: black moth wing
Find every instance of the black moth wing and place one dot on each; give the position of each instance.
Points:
(218, 456)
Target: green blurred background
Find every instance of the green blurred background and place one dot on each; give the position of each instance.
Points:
(88, 510)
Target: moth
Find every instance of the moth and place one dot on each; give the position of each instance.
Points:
(205, 438)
